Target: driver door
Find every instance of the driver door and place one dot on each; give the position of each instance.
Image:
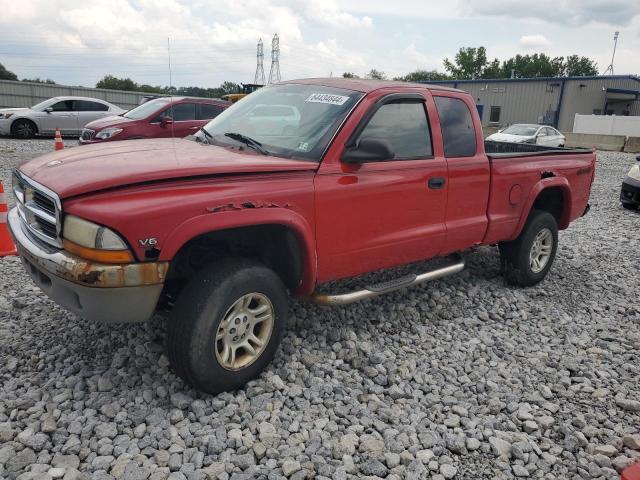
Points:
(376, 214)
(63, 115)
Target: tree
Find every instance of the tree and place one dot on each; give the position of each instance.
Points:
(576, 66)
(112, 82)
(423, 76)
(536, 65)
(39, 80)
(376, 75)
(492, 69)
(349, 75)
(468, 63)
(230, 87)
(7, 74)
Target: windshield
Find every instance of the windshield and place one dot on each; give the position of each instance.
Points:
(146, 109)
(522, 130)
(45, 104)
(293, 121)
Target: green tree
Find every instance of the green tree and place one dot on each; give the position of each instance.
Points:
(349, 75)
(576, 66)
(7, 74)
(376, 75)
(423, 76)
(492, 69)
(230, 87)
(112, 82)
(39, 80)
(535, 65)
(468, 63)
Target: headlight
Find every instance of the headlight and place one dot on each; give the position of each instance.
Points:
(108, 133)
(634, 172)
(94, 242)
(4, 116)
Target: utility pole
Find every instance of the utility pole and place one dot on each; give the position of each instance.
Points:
(259, 78)
(615, 44)
(274, 73)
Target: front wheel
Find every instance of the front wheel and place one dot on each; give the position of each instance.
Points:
(527, 260)
(227, 324)
(24, 129)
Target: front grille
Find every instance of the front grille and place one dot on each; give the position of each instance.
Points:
(87, 134)
(39, 209)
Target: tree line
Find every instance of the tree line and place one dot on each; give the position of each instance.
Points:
(472, 63)
(468, 63)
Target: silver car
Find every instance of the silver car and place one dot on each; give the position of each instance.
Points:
(69, 114)
(529, 133)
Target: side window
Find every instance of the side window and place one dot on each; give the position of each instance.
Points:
(182, 112)
(63, 106)
(207, 111)
(404, 125)
(550, 131)
(457, 127)
(87, 106)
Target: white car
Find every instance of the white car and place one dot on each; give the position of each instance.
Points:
(274, 119)
(529, 133)
(69, 114)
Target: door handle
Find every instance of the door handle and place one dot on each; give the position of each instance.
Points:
(436, 183)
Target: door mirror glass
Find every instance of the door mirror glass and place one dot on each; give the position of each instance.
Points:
(369, 149)
(166, 121)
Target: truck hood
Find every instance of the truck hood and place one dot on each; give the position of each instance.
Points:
(110, 121)
(80, 170)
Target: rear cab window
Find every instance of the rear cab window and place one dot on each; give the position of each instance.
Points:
(456, 123)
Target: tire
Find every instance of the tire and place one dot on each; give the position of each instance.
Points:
(24, 128)
(629, 206)
(517, 261)
(197, 319)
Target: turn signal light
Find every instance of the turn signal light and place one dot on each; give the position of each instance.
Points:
(100, 256)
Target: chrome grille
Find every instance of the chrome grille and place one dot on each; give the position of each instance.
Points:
(87, 134)
(39, 209)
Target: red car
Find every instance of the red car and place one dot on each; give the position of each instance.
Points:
(221, 227)
(159, 118)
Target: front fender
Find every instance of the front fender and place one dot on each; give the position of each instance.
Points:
(543, 184)
(239, 217)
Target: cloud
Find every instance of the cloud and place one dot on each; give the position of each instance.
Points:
(573, 12)
(534, 42)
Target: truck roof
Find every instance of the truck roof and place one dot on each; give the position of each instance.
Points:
(365, 85)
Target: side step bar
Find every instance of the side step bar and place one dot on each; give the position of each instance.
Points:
(390, 286)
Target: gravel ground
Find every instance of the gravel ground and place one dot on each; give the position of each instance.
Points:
(461, 378)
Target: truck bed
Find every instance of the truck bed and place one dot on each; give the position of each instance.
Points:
(508, 149)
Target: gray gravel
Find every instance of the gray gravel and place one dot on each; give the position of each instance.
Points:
(462, 378)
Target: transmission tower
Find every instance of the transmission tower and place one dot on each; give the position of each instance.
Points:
(274, 73)
(259, 80)
(615, 44)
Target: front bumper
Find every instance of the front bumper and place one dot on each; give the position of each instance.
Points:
(630, 192)
(103, 293)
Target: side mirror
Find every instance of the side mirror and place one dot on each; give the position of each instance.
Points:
(48, 109)
(368, 149)
(166, 121)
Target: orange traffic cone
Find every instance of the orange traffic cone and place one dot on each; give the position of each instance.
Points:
(7, 247)
(59, 144)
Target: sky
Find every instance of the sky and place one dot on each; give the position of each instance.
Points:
(211, 41)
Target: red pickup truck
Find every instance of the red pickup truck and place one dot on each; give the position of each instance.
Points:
(335, 178)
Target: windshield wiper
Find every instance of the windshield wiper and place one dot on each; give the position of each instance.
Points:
(248, 141)
(206, 134)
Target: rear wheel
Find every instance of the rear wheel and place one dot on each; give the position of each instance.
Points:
(24, 128)
(629, 206)
(227, 324)
(527, 260)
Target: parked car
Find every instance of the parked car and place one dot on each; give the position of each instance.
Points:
(630, 191)
(526, 133)
(158, 118)
(273, 119)
(69, 114)
(219, 231)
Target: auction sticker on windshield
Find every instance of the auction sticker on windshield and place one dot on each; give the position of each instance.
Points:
(327, 98)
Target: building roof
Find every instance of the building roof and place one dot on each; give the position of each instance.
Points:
(535, 79)
(365, 85)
